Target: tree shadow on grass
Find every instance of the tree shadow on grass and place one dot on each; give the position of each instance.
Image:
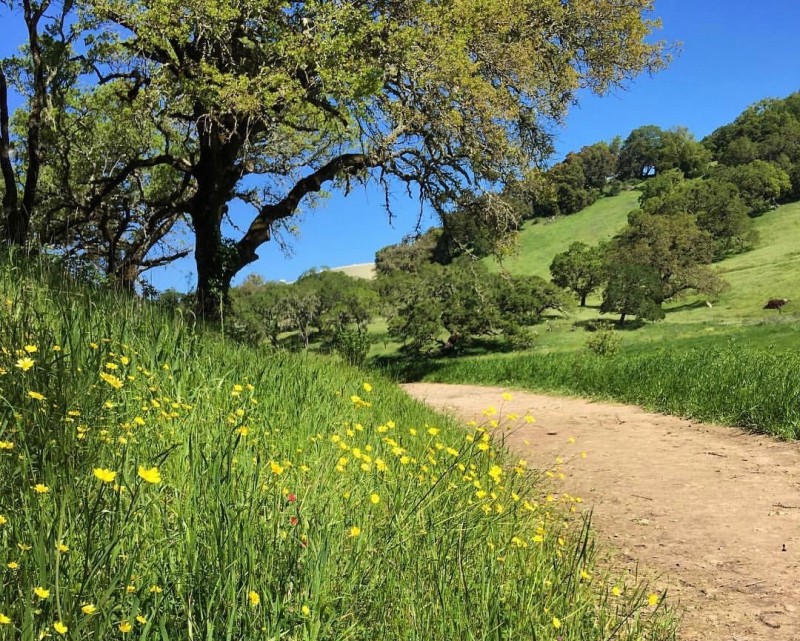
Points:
(693, 305)
(405, 366)
(593, 324)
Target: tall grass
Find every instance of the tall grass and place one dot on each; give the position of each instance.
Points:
(735, 384)
(157, 482)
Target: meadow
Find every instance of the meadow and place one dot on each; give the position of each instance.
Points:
(160, 482)
(731, 361)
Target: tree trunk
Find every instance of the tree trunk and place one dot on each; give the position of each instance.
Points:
(622, 319)
(216, 175)
(583, 300)
(10, 197)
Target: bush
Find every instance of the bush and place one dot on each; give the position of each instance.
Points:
(604, 341)
(352, 344)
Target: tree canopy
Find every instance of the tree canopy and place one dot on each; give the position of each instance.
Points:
(266, 101)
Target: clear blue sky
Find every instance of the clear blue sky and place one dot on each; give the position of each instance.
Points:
(733, 53)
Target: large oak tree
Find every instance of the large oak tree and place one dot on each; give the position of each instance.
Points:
(279, 98)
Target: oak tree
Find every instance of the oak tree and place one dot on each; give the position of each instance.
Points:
(278, 98)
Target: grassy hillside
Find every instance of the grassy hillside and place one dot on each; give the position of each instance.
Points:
(542, 239)
(768, 271)
(160, 483)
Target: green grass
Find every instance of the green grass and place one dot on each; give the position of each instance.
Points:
(261, 496)
(541, 239)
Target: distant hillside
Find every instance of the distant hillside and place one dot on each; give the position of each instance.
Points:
(541, 239)
(359, 270)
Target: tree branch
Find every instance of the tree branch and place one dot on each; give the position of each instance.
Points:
(259, 231)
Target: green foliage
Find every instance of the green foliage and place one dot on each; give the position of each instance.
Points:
(311, 94)
(478, 227)
(715, 203)
(761, 184)
(674, 247)
(328, 306)
(351, 342)
(579, 269)
(632, 289)
(768, 130)
(650, 150)
(604, 341)
(463, 302)
(410, 254)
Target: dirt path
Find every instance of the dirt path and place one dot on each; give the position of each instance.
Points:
(712, 510)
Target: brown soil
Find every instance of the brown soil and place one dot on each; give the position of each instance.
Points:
(713, 511)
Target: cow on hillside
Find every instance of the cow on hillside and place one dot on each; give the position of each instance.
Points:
(776, 303)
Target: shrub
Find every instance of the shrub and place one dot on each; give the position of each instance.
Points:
(604, 341)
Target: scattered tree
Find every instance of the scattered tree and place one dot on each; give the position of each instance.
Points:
(633, 289)
(580, 269)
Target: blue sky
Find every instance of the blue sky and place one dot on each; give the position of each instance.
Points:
(733, 53)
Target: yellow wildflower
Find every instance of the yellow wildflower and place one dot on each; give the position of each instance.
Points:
(150, 475)
(6, 445)
(156, 589)
(367, 387)
(36, 396)
(253, 598)
(12, 565)
(41, 592)
(355, 531)
(140, 619)
(25, 363)
(305, 610)
(112, 380)
(652, 599)
(104, 475)
(59, 627)
(88, 608)
(3, 520)
(41, 488)
(556, 623)
(31, 349)
(125, 627)
(61, 547)
(496, 472)
(616, 591)
(374, 498)
(276, 468)
(4, 620)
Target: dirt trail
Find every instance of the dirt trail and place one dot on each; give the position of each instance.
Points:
(713, 510)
